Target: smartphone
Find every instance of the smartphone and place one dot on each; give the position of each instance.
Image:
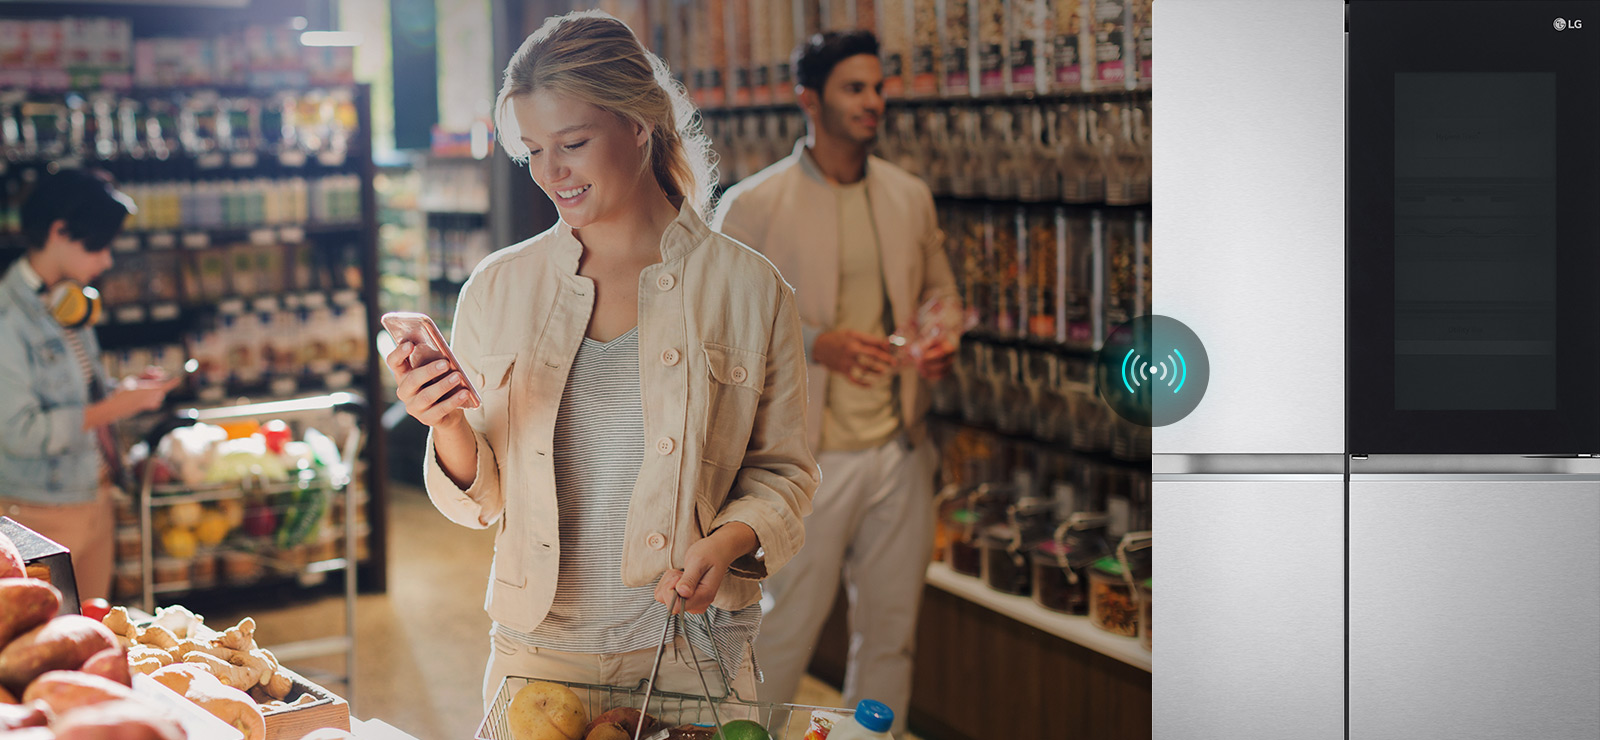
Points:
(428, 345)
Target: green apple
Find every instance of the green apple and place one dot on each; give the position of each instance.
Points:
(743, 729)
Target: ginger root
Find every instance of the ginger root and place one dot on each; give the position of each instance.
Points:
(236, 676)
(139, 653)
(161, 637)
(117, 621)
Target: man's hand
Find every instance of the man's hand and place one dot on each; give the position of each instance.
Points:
(935, 360)
(855, 355)
(705, 565)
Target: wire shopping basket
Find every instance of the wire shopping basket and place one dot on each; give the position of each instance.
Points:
(782, 721)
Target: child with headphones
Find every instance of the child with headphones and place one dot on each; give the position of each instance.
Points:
(57, 459)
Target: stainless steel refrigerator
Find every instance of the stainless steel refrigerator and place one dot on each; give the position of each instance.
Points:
(1383, 521)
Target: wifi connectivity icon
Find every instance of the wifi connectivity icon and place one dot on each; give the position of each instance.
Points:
(1172, 369)
(1153, 370)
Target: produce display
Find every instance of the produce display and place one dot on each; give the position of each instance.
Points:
(233, 504)
(64, 677)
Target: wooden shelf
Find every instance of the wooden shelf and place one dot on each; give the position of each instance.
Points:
(1073, 629)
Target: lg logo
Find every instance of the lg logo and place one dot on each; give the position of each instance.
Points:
(1562, 24)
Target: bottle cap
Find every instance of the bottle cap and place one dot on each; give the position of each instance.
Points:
(874, 715)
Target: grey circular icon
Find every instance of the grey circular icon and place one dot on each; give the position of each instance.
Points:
(1560, 24)
(1153, 370)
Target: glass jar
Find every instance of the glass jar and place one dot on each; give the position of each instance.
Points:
(962, 552)
(1111, 600)
(1003, 566)
(1144, 613)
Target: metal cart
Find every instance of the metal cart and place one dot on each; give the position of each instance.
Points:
(333, 478)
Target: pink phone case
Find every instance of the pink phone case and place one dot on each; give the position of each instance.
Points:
(429, 345)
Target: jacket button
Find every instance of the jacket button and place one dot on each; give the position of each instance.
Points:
(739, 374)
(664, 446)
(669, 357)
(656, 541)
(665, 282)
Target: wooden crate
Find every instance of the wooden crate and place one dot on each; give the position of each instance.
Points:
(329, 710)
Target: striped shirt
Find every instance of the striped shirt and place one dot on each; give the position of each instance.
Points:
(598, 451)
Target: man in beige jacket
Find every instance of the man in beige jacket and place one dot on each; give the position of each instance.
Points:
(858, 239)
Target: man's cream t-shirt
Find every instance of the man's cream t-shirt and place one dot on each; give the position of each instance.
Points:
(857, 418)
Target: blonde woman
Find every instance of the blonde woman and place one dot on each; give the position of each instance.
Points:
(642, 432)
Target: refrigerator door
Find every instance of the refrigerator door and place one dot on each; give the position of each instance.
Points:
(1251, 576)
(1474, 326)
(1475, 604)
(1249, 171)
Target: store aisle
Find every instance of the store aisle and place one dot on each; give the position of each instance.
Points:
(421, 647)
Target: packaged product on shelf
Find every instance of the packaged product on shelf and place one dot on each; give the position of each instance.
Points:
(866, 17)
(1143, 264)
(784, 39)
(738, 32)
(1011, 250)
(1122, 293)
(13, 45)
(46, 44)
(925, 48)
(246, 280)
(1081, 162)
(838, 15)
(759, 59)
(955, 42)
(1074, 279)
(717, 45)
(1111, 43)
(808, 17)
(992, 57)
(998, 158)
(1043, 260)
(1144, 51)
(1127, 166)
(976, 259)
(1066, 59)
(1026, 34)
(125, 283)
(894, 20)
(1000, 250)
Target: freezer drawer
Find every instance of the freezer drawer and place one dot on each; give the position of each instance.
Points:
(1251, 575)
(1474, 608)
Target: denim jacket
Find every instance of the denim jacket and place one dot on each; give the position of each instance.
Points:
(722, 370)
(46, 456)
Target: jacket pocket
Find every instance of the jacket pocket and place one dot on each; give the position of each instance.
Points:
(493, 380)
(735, 380)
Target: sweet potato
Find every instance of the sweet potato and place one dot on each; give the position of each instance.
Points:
(110, 663)
(116, 720)
(24, 604)
(63, 691)
(16, 717)
(63, 643)
(11, 565)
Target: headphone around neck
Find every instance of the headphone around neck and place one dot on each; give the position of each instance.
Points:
(73, 305)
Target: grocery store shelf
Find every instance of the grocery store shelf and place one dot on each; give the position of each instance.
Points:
(1076, 630)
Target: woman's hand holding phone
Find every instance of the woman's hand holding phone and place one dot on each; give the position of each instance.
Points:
(433, 393)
